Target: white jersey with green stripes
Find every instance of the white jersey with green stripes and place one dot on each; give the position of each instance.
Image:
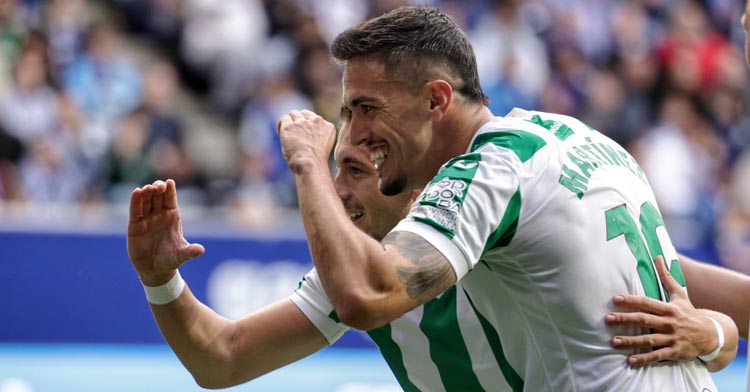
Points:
(443, 345)
(545, 220)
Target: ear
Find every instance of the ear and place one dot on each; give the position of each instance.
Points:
(441, 95)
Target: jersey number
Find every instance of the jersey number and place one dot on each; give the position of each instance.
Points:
(644, 244)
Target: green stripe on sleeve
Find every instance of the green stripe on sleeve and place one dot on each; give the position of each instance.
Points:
(511, 376)
(506, 230)
(523, 144)
(392, 354)
(447, 348)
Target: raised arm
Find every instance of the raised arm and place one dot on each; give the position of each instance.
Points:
(369, 283)
(217, 351)
(680, 332)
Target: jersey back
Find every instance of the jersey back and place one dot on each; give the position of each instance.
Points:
(554, 219)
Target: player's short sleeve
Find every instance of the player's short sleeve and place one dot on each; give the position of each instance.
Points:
(473, 203)
(312, 300)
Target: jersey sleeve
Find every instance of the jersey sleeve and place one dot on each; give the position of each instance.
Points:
(312, 300)
(471, 206)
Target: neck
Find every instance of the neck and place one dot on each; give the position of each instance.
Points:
(453, 135)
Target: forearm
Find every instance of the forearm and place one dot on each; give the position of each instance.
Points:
(355, 270)
(200, 338)
(719, 289)
(220, 353)
(731, 337)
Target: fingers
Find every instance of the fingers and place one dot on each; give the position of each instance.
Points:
(642, 341)
(136, 198)
(170, 195)
(292, 116)
(667, 280)
(152, 199)
(660, 347)
(157, 204)
(638, 360)
(147, 201)
(191, 251)
(282, 120)
(296, 115)
(638, 319)
(642, 303)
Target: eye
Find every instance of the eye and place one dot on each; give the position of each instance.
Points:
(366, 108)
(355, 171)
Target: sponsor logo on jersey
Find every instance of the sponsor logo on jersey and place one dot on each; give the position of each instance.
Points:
(446, 194)
(444, 220)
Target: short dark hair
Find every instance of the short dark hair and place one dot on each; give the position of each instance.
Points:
(412, 39)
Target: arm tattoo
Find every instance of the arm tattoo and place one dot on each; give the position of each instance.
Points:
(429, 274)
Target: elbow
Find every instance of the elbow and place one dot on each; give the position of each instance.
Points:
(217, 378)
(213, 377)
(207, 383)
(363, 314)
(221, 369)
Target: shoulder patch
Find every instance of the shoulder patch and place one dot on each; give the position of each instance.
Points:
(440, 203)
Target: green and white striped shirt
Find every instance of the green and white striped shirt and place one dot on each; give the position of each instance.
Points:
(545, 220)
(443, 345)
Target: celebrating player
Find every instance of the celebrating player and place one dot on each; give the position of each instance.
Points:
(552, 218)
(221, 352)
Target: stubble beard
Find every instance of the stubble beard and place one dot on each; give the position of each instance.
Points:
(393, 187)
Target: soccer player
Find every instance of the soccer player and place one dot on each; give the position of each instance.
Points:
(221, 352)
(551, 218)
(441, 345)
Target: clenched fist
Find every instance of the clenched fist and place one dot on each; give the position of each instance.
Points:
(306, 138)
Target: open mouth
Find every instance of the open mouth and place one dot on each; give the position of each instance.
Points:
(378, 155)
(356, 216)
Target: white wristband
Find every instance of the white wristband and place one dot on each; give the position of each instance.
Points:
(167, 292)
(713, 354)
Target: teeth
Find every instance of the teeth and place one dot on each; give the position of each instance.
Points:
(378, 157)
(354, 215)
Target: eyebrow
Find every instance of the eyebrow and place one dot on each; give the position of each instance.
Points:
(350, 161)
(359, 100)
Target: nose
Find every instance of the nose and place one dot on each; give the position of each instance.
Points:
(359, 131)
(342, 191)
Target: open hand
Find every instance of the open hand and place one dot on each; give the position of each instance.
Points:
(679, 331)
(156, 246)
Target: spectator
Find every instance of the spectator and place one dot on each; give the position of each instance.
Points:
(66, 21)
(511, 57)
(103, 81)
(29, 106)
(11, 35)
(262, 162)
(683, 158)
(127, 164)
(11, 151)
(733, 240)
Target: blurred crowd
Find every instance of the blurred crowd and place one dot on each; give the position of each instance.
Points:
(81, 121)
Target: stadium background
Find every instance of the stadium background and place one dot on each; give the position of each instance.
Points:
(97, 97)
